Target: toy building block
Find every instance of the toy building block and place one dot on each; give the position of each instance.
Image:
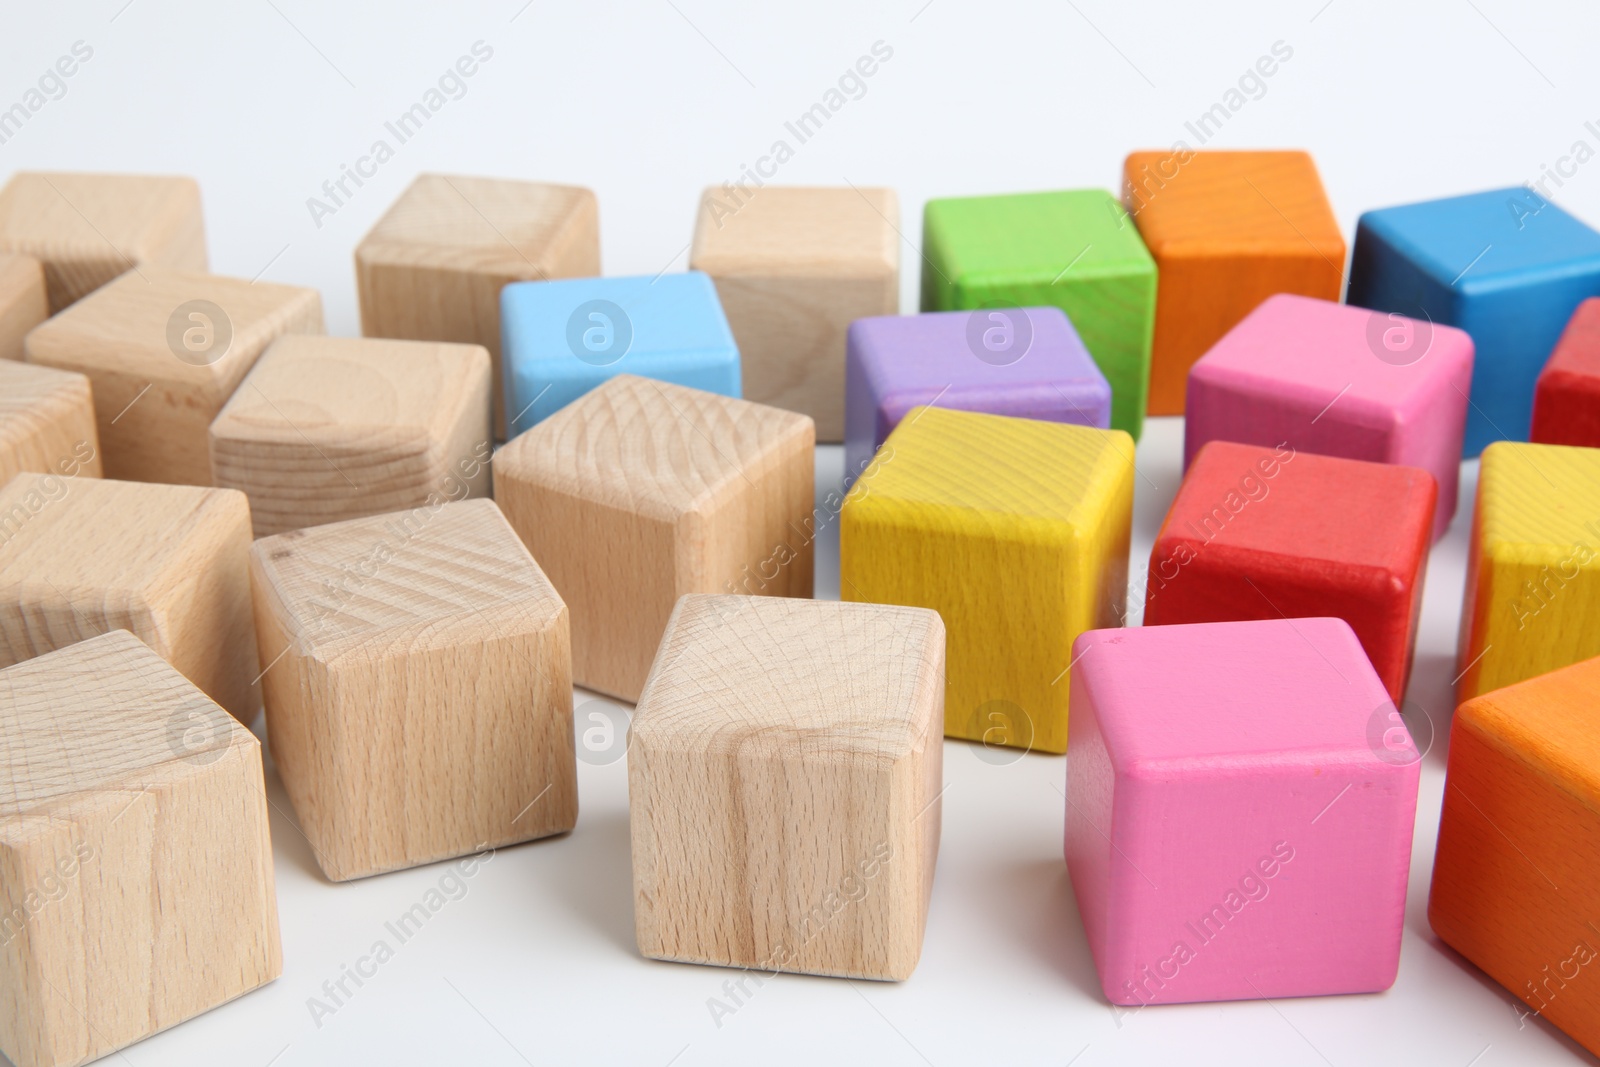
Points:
(1533, 568)
(564, 338)
(784, 777)
(1566, 397)
(46, 423)
(418, 683)
(88, 228)
(1516, 875)
(1239, 812)
(1227, 230)
(332, 428)
(1338, 381)
(1025, 362)
(643, 491)
(432, 268)
(1016, 532)
(1264, 533)
(136, 884)
(794, 268)
(23, 304)
(1075, 250)
(164, 351)
(1507, 266)
(83, 556)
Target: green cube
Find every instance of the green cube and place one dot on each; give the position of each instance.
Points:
(1078, 251)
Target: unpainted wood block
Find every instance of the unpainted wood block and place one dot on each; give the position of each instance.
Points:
(432, 267)
(1016, 532)
(640, 492)
(793, 268)
(784, 775)
(83, 556)
(136, 882)
(1532, 599)
(88, 228)
(23, 303)
(165, 350)
(332, 428)
(46, 422)
(417, 672)
(1566, 398)
(1516, 875)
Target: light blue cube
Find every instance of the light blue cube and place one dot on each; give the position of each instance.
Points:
(561, 339)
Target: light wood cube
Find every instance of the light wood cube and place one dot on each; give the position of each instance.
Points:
(784, 780)
(641, 491)
(165, 350)
(23, 304)
(88, 228)
(136, 883)
(793, 268)
(432, 268)
(46, 422)
(84, 556)
(332, 428)
(418, 681)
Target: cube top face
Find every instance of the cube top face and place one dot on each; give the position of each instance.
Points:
(659, 317)
(511, 228)
(1545, 722)
(1535, 502)
(653, 447)
(1034, 238)
(798, 232)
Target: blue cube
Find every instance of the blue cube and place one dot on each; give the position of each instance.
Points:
(560, 339)
(1507, 266)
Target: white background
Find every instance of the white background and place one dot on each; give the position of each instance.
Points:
(646, 103)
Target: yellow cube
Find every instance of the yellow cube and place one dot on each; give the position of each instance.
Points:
(1533, 571)
(1016, 533)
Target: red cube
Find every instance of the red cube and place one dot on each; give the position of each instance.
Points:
(1566, 402)
(1263, 533)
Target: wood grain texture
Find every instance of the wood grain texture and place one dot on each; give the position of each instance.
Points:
(418, 683)
(83, 556)
(1532, 600)
(136, 880)
(1566, 398)
(332, 428)
(1017, 533)
(784, 775)
(1227, 230)
(640, 492)
(431, 269)
(793, 268)
(154, 408)
(46, 422)
(88, 228)
(23, 303)
(1516, 876)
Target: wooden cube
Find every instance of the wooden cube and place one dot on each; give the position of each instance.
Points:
(1533, 567)
(165, 350)
(794, 267)
(1227, 230)
(1016, 532)
(431, 269)
(1263, 533)
(1516, 875)
(166, 562)
(46, 422)
(88, 228)
(23, 304)
(418, 683)
(641, 492)
(1566, 398)
(784, 778)
(332, 428)
(1238, 823)
(136, 883)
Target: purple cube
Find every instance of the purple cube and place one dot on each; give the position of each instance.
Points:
(1025, 362)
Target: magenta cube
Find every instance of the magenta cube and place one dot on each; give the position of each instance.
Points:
(1024, 362)
(1340, 381)
(1240, 800)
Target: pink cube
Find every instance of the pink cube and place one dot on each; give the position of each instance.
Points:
(1240, 799)
(1340, 381)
